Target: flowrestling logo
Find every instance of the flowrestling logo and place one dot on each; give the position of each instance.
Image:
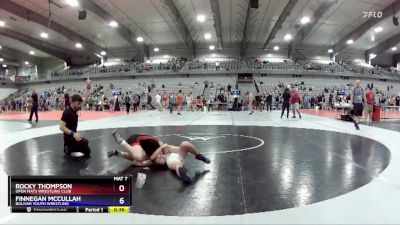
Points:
(373, 14)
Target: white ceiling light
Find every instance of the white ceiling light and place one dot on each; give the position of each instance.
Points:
(2, 23)
(305, 20)
(44, 35)
(372, 55)
(139, 39)
(394, 48)
(372, 38)
(73, 3)
(378, 29)
(31, 52)
(78, 45)
(0, 47)
(1, 59)
(350, 41)
(330, 50)
(211, 47)
(4, 65)
(201, 18)
(156, 49)
(26, 63)
(103, 53)
(276, 47)
(287, 37)
(113, 24)
(207, 36)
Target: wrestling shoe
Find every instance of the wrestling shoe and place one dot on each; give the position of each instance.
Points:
(117, 136)
(356, 125)
(203, 158)
(113, 153)
(67, 152)
(184, 176)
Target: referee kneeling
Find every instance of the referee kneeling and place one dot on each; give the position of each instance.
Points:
(73, 142)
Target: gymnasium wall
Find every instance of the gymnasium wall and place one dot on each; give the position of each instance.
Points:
(4, 92)
(49, 65)
(383, 60)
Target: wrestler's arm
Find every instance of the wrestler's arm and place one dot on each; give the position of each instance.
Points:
(144, 163)
(156, 152)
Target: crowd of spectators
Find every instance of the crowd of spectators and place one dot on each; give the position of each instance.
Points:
(173, 65)
(325, 98)
(150, 96)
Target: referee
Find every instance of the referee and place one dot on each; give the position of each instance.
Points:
(73, 142)
(35, 106)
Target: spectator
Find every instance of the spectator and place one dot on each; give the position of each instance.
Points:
(158, 102)
(285, 102)
(357, 97)
(369, 104)
(268, 101)
(35, 106)
(127, 101)
(136, 101)
(149, 101)
(171, 101)
(295, 101)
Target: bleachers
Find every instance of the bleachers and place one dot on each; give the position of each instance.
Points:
(158, 66)
(226, 64)
(172, 65)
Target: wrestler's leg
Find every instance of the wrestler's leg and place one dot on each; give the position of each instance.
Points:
(184, 149)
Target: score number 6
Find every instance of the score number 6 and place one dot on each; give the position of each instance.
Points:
(121, 188)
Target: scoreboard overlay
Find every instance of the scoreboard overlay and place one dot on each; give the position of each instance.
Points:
(53, 194)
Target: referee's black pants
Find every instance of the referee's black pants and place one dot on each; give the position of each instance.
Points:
(34, 109)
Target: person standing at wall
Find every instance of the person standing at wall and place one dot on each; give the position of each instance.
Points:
(158, 102)
(88, 90)
(295, 101)
(135, 101)
(34, 107)
(171, 101)
(165, 99)
(189, 100)
(149, 101)
(127, 100)
(285, 102)
(66, 99)
(357, 97)
(398, 101)
(179, 101)
(369, 104)
(268, 101)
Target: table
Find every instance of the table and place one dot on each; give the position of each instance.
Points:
(220, 105)
(342, 106)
